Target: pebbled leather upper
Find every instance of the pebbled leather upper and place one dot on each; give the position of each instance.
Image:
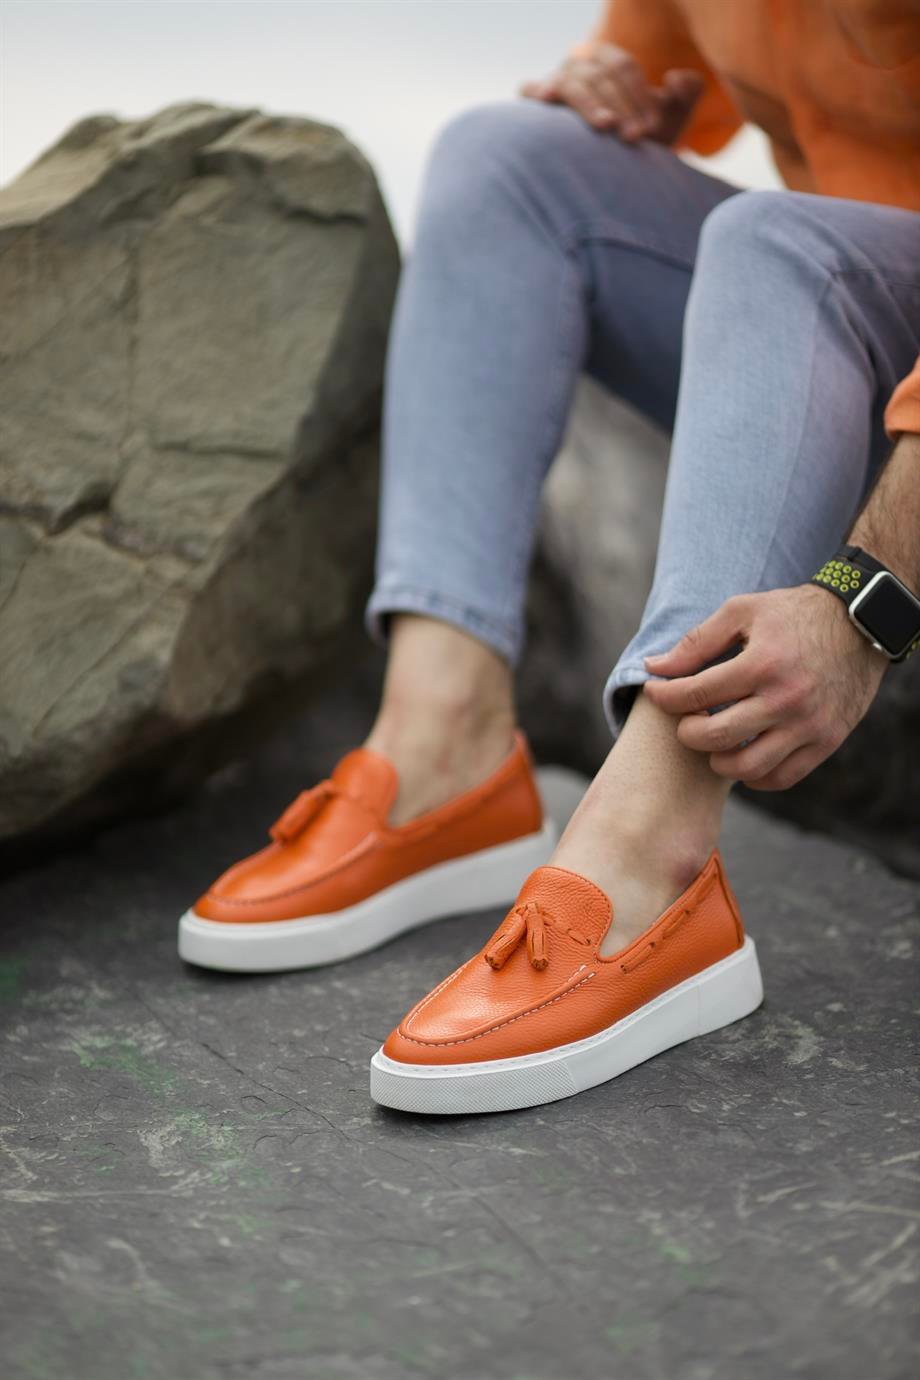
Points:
(482, 1012)
(334, 847)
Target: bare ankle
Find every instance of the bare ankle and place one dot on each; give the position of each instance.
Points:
(438, 669)
(440, 736)
(438, 757)
(673, 849)
(447, 717)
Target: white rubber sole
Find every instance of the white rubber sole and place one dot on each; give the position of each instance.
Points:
(477, 881)
(719, 995)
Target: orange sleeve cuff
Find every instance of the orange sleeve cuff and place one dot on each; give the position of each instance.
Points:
(903, 410)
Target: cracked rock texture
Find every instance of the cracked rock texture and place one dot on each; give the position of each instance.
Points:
(195, 1185)
(195, 315)
(594, 569)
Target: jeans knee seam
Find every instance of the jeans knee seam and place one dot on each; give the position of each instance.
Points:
(616, 233)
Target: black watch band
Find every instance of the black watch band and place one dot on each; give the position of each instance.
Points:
(879, 604)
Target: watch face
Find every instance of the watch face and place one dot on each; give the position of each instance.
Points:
(889, 614)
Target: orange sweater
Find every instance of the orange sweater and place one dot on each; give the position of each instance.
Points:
(834, 84)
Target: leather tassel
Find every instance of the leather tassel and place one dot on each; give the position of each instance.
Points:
(536, 941)
(525, 919)
(300, 812)
(506, 941)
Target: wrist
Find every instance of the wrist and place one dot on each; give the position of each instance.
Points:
(832, 616)
(881, 608)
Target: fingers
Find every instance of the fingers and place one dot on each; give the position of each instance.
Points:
(593, 105)
(614, 104)
(683, 86)
(730, 680)
(678, 94)
(777, 758)
(756, 761)
(793, 692)
(596, 104)
(546, 90)
(706, 641)
(791, 770)
(606, 87)
(729, 728)
(630, 95)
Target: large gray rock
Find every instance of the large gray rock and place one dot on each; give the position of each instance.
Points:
(593, 570)
(194, 319)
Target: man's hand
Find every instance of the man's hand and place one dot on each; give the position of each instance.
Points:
(801, 683)
(608, 89)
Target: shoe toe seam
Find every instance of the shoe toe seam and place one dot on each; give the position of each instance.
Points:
(467, 1039)
(341, 864)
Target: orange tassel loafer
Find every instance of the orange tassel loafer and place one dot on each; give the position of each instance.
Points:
(337, 879)
(539, 1014)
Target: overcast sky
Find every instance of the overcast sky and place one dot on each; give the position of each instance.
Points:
(389, 72)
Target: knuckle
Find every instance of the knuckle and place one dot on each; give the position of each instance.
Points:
(780, 693)
(692, 639)
(778, 700)
(697, 698)
(758, 662)
(791, 695)
(770, 664)
(822, 732)
(751, 771)
(771, 779)
(723, 739)
(784, 776)
(811, 704)
(828, 740)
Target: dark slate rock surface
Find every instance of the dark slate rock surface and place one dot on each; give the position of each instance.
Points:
(194, 1183)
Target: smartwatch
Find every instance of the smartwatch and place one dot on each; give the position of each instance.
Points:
(878, 603)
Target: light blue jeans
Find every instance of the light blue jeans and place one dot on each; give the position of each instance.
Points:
(767, 329)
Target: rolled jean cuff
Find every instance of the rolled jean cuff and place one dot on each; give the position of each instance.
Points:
(627, 676)
(620, 691)
(389, 599)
